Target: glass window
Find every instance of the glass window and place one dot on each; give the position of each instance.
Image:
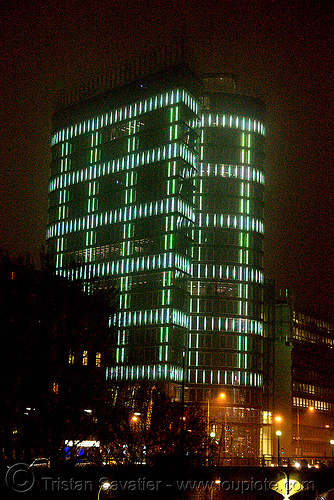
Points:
(98, 359)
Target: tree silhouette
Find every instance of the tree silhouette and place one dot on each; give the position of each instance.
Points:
(145, 425)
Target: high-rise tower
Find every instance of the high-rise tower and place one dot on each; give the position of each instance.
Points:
(157, 184)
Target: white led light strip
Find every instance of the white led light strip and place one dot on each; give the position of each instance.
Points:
(126, 113)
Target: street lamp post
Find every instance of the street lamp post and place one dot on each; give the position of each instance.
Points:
(332, 443)
(278, 434)
(278, 420)
(212, 436)
(104, 485)
(221, 397)
(217, 482)
(299, 448)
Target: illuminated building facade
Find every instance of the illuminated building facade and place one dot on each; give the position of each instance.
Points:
(226, 338)
(157, 184)
(121, 207)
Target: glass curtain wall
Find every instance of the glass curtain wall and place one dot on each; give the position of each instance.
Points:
(226, 338)
(121, 208)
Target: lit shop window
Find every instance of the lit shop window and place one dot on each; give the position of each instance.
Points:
(98, 359)
(71, 357)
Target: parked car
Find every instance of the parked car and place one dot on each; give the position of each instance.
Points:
(41, 463)
(84, 462)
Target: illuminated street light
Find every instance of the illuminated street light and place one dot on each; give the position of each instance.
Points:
(287, 486)
(217, 481)
(278, 434)
(332, 443)
(135, 416)
(221, 397)
(299, 450)
(105, 485)
(278, 419)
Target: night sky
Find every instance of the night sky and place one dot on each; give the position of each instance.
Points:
(280, 51)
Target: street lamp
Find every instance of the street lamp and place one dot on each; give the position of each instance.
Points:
(221, 397)
(299, 450)
(135, 416)
(278, 434)
(212, 441)
(217, 482)
(332, 443)
(104, 485)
